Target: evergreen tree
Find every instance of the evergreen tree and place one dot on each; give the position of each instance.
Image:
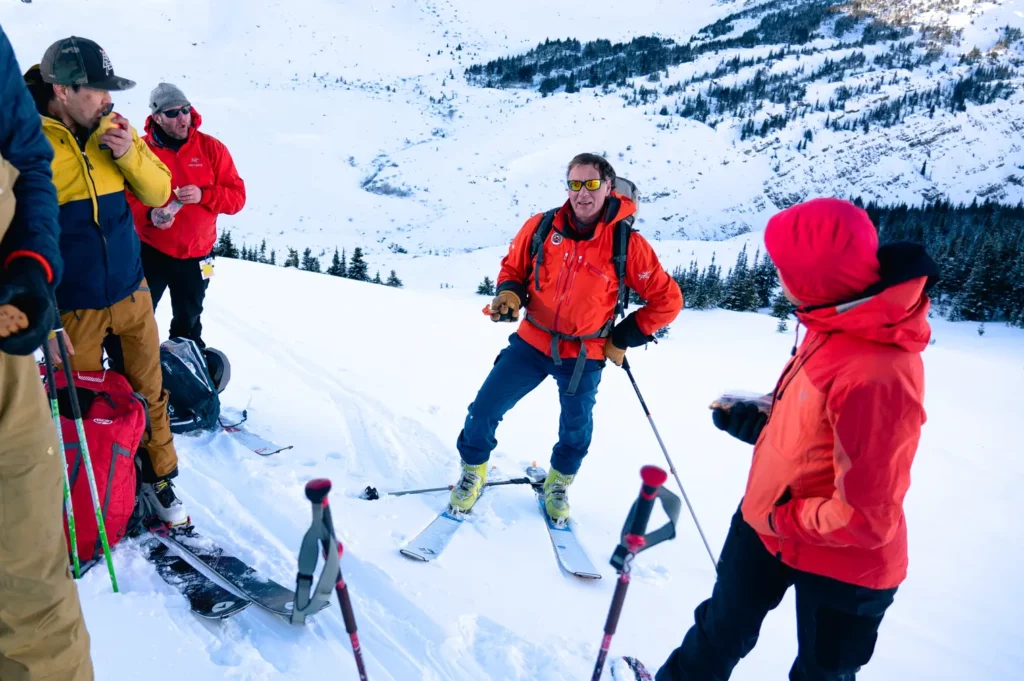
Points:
(486, 287)
(225, 247)
(713, 289)
(273, 256)
(393, 281)
(344, 264)
(358, 269)
(377, 279)
(781, 309)
(293, 258)
(263, 252)
(977, 303)
(741, 294)
(336, 269)
(766, 278)
(310, 263)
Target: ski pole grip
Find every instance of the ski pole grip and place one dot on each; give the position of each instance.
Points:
(653, 478)
(316, 490)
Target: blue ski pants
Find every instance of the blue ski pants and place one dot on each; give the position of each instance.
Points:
(519, 369)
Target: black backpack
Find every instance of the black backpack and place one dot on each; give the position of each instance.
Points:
(620, 245)
(193, 402)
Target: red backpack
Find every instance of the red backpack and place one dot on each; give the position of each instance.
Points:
(115, 419)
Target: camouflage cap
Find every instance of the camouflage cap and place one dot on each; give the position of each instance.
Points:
(80, 61)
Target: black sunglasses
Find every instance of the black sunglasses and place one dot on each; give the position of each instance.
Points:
(174, 113)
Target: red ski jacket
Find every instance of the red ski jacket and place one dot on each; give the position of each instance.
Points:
(579, 285)
(832, 465)
(205, 162)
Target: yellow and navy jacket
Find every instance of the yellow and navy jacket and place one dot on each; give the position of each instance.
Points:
(98, 242)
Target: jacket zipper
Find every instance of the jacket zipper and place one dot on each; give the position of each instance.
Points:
(96, 198)
(566, 261)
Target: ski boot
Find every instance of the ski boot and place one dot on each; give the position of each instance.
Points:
(556, 499)
(168, 507)
(467, 489)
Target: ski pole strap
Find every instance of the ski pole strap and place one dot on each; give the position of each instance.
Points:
(634, 537)
(308, 600)
(581, 360)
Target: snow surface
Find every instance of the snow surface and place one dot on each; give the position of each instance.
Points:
(371, 386)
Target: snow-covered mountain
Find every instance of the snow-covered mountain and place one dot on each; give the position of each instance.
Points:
(357, 123)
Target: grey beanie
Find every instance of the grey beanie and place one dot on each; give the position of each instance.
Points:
(166, 96)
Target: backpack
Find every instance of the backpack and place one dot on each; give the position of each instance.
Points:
(115, 419)
(620, 244)
(193, 403)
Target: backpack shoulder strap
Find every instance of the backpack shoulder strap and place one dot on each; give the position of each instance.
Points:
(537, 244)
(620, 255)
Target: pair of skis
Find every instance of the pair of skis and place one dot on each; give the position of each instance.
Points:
(249, 440)
(431, 542)
(206, 598)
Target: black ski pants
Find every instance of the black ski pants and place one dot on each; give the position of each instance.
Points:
(837, 623)
(184, 277)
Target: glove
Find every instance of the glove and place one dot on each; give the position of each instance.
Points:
(26, 288)
(505, 307)
(744, 421)
(613, 352)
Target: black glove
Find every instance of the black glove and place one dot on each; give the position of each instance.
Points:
(744, 421)
(24, 286)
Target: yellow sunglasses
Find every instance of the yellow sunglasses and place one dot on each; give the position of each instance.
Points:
(592, 185)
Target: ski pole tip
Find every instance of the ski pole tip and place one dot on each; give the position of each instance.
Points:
(316, 490)
(653, 476)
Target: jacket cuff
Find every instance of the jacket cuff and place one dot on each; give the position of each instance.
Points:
(516, 287)
(35, 256)
(628, 334)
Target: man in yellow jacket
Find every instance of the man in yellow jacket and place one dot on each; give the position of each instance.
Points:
(97, 155)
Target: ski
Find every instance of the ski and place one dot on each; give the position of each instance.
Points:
(206, 598)
(264, 592)
(253, 442)
(630, 669)
(568, 549)
(428, 544)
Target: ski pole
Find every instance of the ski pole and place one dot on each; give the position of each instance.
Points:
(635, 540)
(372, 494)
(84, 446)
(322, 529)
(68, 507)
(671, 466)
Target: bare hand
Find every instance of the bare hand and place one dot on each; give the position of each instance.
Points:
(55, 348)
(118, 138)
(189, 194)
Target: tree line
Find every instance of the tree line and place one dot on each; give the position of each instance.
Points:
(979, 249)
(357, 269)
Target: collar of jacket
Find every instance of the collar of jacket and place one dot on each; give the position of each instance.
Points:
(616, 208)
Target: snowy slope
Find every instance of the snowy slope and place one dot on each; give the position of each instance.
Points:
(353, 124)
(371, 384)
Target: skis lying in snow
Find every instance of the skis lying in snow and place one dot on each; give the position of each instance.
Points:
(206, 598)
(571, 555)
(264, 592)
(428, 544)
(630, 669)
(250, 440)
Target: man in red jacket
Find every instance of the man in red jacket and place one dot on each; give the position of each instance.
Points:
(823, 508)
(570, 291)
(178, 238)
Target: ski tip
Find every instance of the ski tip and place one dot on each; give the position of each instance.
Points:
(653, 476)
(316, 490)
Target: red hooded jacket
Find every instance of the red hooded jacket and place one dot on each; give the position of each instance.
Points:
(579, 284)
(205, 162)
(832, 465)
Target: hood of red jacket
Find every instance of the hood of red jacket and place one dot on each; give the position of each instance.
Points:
(197, 120)
(827, 253)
